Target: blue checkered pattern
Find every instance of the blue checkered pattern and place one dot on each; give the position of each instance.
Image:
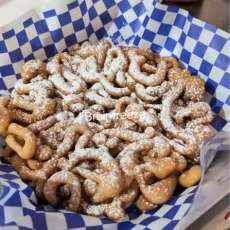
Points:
(201, 47)
(18, 201)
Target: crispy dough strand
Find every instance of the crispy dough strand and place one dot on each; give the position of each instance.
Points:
(26, 151)
(110, 182)
(103, 127)
(59, 178)
(135, 72)
(5, 115)
(190, 147)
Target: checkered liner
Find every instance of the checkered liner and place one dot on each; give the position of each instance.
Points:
(201, 47)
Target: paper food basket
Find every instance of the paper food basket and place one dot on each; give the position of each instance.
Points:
(202, 48)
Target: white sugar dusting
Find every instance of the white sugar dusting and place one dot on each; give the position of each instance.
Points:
(104, 121)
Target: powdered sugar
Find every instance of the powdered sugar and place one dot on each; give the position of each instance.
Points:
(126, 135)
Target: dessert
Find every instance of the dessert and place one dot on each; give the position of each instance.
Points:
(103, 127)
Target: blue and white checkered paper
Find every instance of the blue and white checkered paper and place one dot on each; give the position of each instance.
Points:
(41, 33)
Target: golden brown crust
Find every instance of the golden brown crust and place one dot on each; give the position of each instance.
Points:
(103, 127)
(33, 68)
(5, 115)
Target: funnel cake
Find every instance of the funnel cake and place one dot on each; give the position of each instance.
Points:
(103, 127)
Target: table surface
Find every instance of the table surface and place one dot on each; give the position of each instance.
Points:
(214, 218)
(215, 12)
